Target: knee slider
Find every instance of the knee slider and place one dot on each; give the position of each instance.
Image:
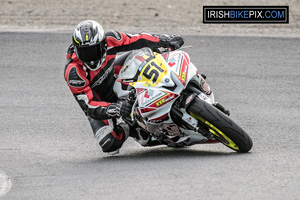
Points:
(108, 139)
(109, 143)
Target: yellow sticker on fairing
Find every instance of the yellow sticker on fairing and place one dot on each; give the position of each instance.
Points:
(159, 103)
(153, 72)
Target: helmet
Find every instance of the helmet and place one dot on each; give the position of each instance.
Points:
(89, 43)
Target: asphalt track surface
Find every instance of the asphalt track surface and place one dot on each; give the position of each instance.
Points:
(47, 149)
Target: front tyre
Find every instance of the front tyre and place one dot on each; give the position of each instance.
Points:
(220, 125)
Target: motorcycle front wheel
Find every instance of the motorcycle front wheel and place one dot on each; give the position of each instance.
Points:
(220, 126)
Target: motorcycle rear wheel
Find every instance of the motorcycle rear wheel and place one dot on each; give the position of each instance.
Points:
(220, 125)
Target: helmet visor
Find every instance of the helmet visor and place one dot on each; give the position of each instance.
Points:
(91, 53)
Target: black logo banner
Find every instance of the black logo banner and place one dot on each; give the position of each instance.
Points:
(246, 14)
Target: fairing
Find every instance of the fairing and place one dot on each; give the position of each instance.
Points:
(158, 80)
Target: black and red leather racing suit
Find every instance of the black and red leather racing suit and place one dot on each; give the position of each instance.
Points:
(93, 90)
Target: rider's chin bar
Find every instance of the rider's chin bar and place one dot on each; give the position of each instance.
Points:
(245, 14)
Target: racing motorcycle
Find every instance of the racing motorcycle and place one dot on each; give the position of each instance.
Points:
(173, 104)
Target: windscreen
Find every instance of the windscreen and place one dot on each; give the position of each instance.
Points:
(135, 62)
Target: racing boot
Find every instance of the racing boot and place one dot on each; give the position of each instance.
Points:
(111, 140)
(144, 138)
(126, 129)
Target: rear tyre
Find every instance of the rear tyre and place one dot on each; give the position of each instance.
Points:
(220, 125)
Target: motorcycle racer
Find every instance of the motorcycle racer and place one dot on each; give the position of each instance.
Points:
(91, 70)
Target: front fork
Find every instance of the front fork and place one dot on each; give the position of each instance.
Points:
(184, 119)
(187, 122)
(207, 98)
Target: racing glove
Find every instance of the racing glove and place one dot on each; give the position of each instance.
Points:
(115, 110)
(171, 41)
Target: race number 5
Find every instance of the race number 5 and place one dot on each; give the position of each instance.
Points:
(154, 71)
